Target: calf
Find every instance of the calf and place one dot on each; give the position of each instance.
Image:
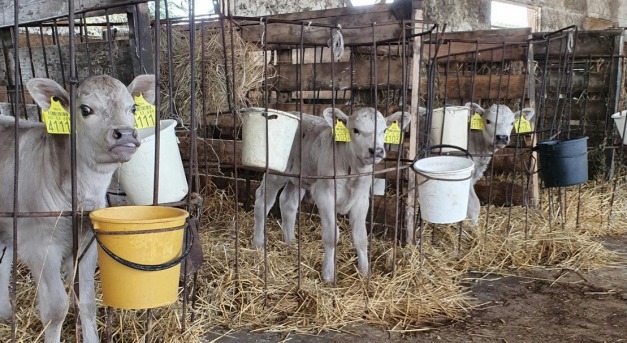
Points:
(106, 137)
(367, 129)
(498, 122)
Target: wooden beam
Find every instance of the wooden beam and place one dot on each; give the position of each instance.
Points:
(141, 36)
(588, 43)
(319, 76)
(379, 18)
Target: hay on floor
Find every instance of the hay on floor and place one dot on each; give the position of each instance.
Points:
(418, 292)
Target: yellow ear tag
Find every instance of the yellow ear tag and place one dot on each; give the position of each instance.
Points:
(341, 132)
(476, 122)
(393, 134)
(56, 118)
(145, 113)
(522, 125)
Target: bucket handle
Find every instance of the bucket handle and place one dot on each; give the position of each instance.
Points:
(424, 151)
(151, 267)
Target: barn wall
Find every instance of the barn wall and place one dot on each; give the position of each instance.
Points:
(556, 14)
(255, 8)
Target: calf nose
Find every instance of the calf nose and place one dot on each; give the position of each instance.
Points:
(125, 131)
(378, 152)
(502, 138)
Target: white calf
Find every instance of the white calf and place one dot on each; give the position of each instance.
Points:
(106, 137)
(366, 125)
(498, 122)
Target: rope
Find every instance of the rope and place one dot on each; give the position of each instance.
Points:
(336, 43)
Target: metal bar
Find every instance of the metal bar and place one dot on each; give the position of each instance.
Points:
(16, 171)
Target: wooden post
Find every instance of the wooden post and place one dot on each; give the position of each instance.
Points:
(142, 52)
(534, 185)
(413, 133)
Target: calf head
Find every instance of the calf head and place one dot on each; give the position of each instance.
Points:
(498, 122)
(105, 114)
(367, 128)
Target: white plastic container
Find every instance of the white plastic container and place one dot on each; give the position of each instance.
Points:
(137, 175)
(619, 120)
(443, 186)
(450, 127)
(282, 127)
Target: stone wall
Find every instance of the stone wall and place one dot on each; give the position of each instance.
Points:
(555, 14)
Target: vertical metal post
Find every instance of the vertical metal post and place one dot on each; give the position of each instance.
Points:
(16, 169)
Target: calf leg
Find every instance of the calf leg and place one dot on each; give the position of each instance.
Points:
(45, 266)
(289, 200)
(330, 233)
(87, 297)
(357, 217)
(6, 260)
(265, 196)
(474, 205)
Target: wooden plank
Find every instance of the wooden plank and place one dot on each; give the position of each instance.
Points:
(591, 23)
(517, 35)
(591, 110)
(288, 76)
(485, 87)
(352, 21)
(35, 10)
(470, 52)
(588, 43)
(591, 83)
(215, 151)
(503, 193)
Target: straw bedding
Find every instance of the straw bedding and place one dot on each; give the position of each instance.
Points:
(418, 292)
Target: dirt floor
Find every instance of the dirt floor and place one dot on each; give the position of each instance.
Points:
(541, 306)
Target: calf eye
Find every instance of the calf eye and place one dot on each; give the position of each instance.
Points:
(86, 110)
(488, 121)
(133, 109)
(356, 131)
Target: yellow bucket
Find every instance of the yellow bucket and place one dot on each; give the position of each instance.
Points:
(139, 253)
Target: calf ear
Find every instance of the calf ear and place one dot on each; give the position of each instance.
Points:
(421, 111)
(328, 116)
(474, 108)
(144, 85)
(527, 113)
(43, 89)
(399, 116)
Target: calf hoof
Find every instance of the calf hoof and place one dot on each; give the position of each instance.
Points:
(328, 275)
(258, 243)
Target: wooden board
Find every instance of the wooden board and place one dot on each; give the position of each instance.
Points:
(485, 87)
(341, 73)
(587, 43)
(493, 45)
(352, 20)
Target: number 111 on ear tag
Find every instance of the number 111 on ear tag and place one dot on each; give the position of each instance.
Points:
(56, 118)
(145, 113)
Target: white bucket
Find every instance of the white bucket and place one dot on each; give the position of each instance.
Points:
(281, 128)
(450, 127)
(443, 186)
(137, 175)
(619, 120)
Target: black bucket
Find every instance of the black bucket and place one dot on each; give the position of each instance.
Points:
(563, 163)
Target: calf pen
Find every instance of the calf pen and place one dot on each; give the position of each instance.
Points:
(389, 62)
